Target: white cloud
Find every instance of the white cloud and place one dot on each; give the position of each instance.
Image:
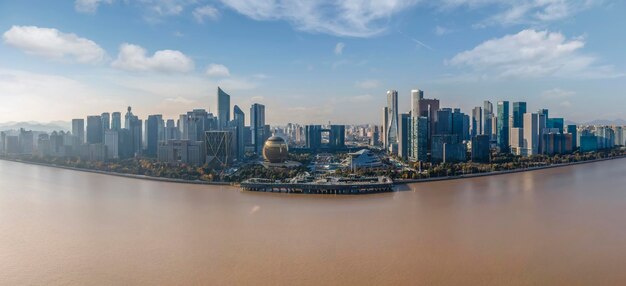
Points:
(368, 84)
(89, 6)
(217, 70)
(236, 84)
(353, 18)
(531, 54)
(133, 58)
(207, 11)
(53, 44)
(339, 48)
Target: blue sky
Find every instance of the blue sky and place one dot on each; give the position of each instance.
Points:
(309, 61)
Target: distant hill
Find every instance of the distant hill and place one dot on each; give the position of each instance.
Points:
(37, 126)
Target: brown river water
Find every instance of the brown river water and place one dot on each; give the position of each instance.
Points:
(561, 226)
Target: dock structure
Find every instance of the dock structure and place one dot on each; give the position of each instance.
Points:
(332, 186)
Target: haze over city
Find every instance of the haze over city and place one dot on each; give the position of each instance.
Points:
(308, 61)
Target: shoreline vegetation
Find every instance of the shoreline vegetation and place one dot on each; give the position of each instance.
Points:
(147, 169)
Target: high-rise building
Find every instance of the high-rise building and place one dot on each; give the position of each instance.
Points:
(460, 124)
(220, 148)
(428, 108)
(481, 148)
(534, 125)
(336, 136)
(133, 124)
(517, 141)
(111, 142)
(257, 127)
(444, 121)
(94, 129)
(392, 129)
(182, 151)
(385, 127)
(239, 119)
(519, 109)
(416, 96)
(154, 124)
(78, 130)
(572, 129)
(223, 108)
(487, 118)
(116, 121)
(404, 136)
(106, 121)
(419, 139)
(503, 126)
(477, 121)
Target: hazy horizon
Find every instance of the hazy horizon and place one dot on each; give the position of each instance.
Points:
(308, 61)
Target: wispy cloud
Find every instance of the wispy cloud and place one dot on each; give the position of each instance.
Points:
(368, 84)
(208, 12)
(217, 70)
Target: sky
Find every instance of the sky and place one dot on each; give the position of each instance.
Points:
(309, 61)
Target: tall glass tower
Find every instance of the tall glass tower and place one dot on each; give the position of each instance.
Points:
(519, 108)
(503, 126)
(223, 108)
(392, 105)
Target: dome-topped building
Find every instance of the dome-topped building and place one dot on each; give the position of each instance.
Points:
(275, 150)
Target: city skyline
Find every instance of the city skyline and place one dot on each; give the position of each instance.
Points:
(165, 57)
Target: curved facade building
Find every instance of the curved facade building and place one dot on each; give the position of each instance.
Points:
(275, 150)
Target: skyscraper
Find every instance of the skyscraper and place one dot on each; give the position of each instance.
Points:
(95, 132)
(106, 121)
(257, 127)
(404, 136)
(392, 129)
(223, 108)
(477, 121)
(487, 118)
(416, 96)
(419, 138)
(503, 126)
(428, 108)
(153, 125)
(385, 127)
(444, 121)
(239, 119)
(519, 108)
(78, 130)
(133, 124)
(534, 123)
(116, 121)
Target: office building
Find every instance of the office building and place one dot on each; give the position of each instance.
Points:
(257, 127)
(481, 151)
(404, 136)
(555, 123)
(116, 121)
(519, 109)
(111, 142)
(444, 121)
(477, 121)
(134, 125)
(503, 126)
(447, 148)
(78, 130)
(220, 148)
(419, 139)
(488, 119)
(517, 141)
(154, 126)
(572, 129)
(106, 121)
(428, 108)
(385, 127)
(182, 152)
(223, 108)
(239, 121)
(392, 124)
(94, 129)
(588, 143)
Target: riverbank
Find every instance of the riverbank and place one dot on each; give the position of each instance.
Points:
(132, 176)
(496, 173)
(396, 182)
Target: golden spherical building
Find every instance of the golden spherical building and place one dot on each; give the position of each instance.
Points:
(275, 150)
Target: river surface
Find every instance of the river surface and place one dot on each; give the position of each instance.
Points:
(562, 226)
